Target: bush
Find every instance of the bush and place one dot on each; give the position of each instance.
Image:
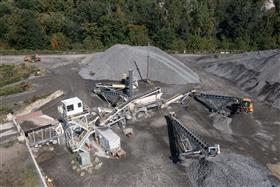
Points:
(90, 43)
(13, 73)
(178, 45)
(11, 90)
(60, 41)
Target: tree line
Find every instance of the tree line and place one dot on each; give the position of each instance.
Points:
(192, 25)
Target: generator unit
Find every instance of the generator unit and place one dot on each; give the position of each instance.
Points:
(108, 140)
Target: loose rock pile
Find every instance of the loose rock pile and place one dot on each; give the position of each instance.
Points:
(228, 170)
(114, 62)
(255, 72)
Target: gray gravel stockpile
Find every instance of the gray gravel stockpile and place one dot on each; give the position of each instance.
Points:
(221, 123)
(256, 72)
(117, 60)
(228, 170)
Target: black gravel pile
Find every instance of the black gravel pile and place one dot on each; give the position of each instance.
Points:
(256, 72)
(228, 170)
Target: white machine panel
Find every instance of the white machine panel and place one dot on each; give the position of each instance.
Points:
(72, 106)
(109, 140)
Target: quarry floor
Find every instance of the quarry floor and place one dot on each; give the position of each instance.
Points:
(147, 162)
(17, 167)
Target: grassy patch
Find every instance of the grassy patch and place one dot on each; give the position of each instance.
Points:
(3, 113)
(35, 98)
(9, 90)
(4, 110)
(29, 177)
(11, 73)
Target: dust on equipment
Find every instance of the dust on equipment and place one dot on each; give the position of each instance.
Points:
(81, 124)
(71, 108)
(110, 142)
(78, 124)
(184, 143)
(226, 105)
(86, 128)
(44, 135)
(84, 160)
(39, 129)
(81, 130)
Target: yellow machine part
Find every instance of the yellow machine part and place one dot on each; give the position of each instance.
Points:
(248, 104)
(251, 108)
(121, 86)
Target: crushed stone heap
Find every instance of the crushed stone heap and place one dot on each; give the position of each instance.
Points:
(228, 169)
(256, 72)
(117, 60)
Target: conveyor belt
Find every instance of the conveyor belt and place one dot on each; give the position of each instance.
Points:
(124, 105)
(217, 103)
(184, 142)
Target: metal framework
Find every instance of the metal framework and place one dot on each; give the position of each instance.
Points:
(44, 135)
(113, 93)
(225, 105)
(79, 129)
(185, 143)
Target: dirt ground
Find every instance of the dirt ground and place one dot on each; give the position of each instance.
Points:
(147, 163)
(17, 168)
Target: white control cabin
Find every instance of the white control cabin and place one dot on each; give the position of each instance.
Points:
(72, 106)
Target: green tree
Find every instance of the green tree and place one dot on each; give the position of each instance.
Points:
(90, 11)
(277, 6)
(92, 30)
(164, 37)
(24, 31)
(91, 43)
(26, 4)
(5, 9)
(113, 30)
(60, 41)
(53, 22)
(202, 22)
(239, 19)
(178, 45)
(138, 34)
(54, 5)
(169, 24)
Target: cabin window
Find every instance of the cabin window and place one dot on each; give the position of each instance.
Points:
(79, 105)
(247, 104)
(70, 108)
